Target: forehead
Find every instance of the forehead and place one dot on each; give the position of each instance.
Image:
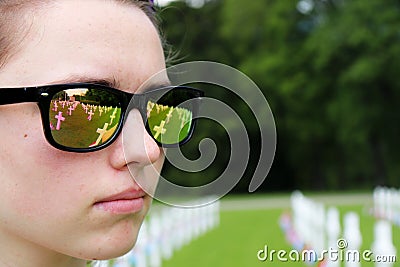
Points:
(91, 38)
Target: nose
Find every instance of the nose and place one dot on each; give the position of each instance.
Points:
(134, 145)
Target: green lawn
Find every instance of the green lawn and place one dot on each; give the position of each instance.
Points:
(235, 242)
(243, 232)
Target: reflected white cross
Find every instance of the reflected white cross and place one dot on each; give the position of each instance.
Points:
(101, 133)
(159, 129)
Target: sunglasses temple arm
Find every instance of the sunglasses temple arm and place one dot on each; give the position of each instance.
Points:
(18, 95)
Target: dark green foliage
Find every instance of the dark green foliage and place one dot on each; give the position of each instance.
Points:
(330, 76)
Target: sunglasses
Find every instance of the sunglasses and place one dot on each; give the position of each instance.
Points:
(86, 117)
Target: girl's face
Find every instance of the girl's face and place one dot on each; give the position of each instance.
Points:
(49, 200)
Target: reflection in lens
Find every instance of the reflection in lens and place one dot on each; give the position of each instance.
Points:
(168, 125)
(82, 118)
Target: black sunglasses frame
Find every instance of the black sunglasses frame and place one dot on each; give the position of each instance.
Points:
(43, 95)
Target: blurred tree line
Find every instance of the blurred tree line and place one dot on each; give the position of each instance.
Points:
(328, 69)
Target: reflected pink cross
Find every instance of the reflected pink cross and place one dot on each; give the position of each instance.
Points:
(59, 118)
(90, 115)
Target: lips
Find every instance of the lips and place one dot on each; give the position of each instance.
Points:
(128, 201)
(125, 195)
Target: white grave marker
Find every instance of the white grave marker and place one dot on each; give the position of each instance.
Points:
(383, 243)
(333, 232)
(353, 237)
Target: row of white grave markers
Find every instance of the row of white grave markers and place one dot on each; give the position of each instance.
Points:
(89, 110)
(313, 227)
(308, 222)
(74, 104)
(167, 230)
(387, 204)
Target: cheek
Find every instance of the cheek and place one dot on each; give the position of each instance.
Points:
(41, 198)
(34, 184)
(20, 124)
(45, 194)
(31, 171)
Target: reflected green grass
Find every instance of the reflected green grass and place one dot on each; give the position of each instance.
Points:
(242, 233)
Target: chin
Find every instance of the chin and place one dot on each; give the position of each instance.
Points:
(117, 251)
(113, 250)
(118, 241)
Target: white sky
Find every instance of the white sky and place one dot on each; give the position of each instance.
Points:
(72, 92)
(193, 3)
(162, 2)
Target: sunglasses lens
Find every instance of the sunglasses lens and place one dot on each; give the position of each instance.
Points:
(169, 125)
(84, 117)
(170, 118)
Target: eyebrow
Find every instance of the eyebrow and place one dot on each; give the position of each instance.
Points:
(111, 82)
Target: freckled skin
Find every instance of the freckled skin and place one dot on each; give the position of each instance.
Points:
(47, 212)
